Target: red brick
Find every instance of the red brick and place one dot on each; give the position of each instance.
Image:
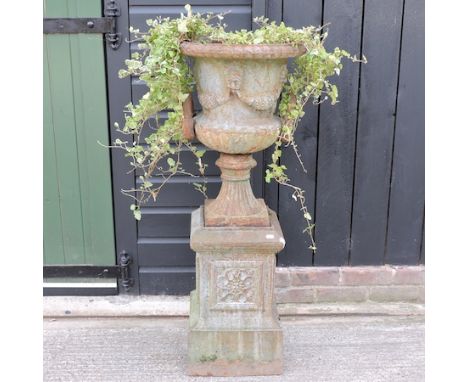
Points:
(295, 295)
(366, 275)
(408, 275)
(396, 293)
(282, 278)
(314, 276)
(341, 294)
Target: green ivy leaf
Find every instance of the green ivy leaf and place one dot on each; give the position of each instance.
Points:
(200, 153)
(137, 214)
(162, 67)
(171, 162)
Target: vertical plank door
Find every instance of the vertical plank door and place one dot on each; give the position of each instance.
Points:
(78, 219)
(297, 14)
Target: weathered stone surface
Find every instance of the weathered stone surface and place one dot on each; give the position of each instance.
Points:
(241, 51)
(411, 293)
(366, 275)
(235, 352)
(254, 240)
(410, 275)
(295, 295)
(341, 294)
(238, 96)
(282, 278)
(351, 276)
(314, 276)
(404, 284)
(178, 306)
(234, 328)
(236, 205)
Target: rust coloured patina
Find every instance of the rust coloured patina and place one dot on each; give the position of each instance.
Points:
(188, 129)
(236, 205)
(233, 51)
(234, 327)
(238, 87)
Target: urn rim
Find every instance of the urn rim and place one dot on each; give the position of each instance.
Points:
(241, 51)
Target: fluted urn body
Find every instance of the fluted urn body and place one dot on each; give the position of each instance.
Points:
(238, 88)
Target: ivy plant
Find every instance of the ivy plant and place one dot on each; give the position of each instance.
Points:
(154, 147)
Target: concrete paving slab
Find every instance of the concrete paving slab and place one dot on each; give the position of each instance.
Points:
(346, 348)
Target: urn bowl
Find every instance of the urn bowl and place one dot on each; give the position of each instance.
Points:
(238, 88)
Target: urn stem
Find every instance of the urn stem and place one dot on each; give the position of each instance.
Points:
(236, 204)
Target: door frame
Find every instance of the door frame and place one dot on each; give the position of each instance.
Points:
(119, 94)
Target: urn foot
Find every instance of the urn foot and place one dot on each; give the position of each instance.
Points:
(215, 217)
(236, 205)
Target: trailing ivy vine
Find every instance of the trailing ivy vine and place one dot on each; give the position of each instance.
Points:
(154, 147)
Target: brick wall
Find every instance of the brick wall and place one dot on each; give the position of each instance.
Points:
(350, 284)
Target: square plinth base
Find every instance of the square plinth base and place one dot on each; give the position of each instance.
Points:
(234, 328)
(230, 353)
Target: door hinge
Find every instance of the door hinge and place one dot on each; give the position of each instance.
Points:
(125, 260)
(112, 11)
(106, 25)
(120, 271)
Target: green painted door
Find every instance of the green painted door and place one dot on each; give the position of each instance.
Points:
(78, 218)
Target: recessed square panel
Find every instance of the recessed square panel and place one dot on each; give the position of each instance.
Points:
(236, 285)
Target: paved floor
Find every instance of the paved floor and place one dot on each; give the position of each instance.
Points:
(343, 349)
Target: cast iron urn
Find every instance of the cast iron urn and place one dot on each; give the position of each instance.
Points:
(234, 328)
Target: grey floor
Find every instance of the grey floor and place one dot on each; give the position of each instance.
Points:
(315, 349)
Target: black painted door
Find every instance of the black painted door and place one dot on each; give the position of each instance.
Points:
(159, 244)
(364, 156)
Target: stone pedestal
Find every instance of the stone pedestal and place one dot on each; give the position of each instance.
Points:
(234, 327)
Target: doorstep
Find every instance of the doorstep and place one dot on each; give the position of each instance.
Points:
(178, 306)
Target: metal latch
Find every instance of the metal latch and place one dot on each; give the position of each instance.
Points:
(106, 25)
